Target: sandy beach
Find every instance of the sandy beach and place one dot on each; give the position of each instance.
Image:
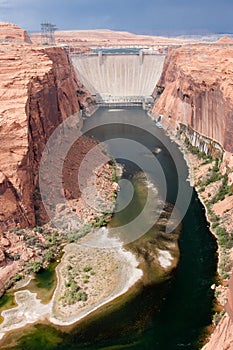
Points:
(99, 274)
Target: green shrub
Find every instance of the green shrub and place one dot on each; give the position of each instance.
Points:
(111, 162)
(215, 174)
(84, 230)
(220, 231)
(83, 296)
(87, 268)
(74, 287)
(72, 236)
(224, 190)
(218, 316)
(67, 284)
(69, 267)
(48, 257)
(35, 266)
(208, 160)
(224, 239)
(99, 222)
(215, 224)
(17, 277)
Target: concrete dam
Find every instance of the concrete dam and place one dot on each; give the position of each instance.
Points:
(120, 78)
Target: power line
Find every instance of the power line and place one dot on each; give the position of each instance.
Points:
(47, 33)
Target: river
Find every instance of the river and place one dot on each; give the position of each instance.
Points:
(166, 314)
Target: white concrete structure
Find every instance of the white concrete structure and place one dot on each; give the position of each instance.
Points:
(119, 74)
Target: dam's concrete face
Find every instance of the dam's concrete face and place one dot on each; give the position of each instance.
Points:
(119, 75)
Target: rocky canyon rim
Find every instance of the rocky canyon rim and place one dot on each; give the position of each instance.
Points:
(180, 95)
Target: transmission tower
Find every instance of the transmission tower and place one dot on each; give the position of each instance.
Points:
(47, 33)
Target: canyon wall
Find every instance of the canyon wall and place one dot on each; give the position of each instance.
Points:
(195, 95)
(222, 338)
(11, 32)
(38, 91)
(198, 91)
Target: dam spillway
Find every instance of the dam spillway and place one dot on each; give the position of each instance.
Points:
(116, 77)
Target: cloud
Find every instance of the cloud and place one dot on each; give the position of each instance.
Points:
(137, 15)
(5, 10)
(4, 4)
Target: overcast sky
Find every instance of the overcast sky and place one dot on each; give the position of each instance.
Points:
(145, 16)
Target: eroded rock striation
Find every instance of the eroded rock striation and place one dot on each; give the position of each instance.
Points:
(11, 32)
(195, 98)
(198, 91)
(38, 90)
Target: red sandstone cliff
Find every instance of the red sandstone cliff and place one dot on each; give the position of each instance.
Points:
(38, 91)
(195, 90)
(11, 32)
(222, 338)
(198, 91)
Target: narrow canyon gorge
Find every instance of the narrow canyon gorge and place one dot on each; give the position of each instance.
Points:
(39, 89)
